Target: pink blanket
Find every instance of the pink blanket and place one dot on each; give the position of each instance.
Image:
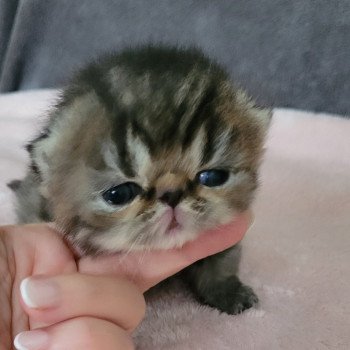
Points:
(297, 255)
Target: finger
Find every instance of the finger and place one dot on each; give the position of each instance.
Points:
(210, 242)
(49, 300)
(218, 239)
(147, 269)
(79, 333)
(42, 250)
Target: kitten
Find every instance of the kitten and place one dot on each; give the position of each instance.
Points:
(145, 150)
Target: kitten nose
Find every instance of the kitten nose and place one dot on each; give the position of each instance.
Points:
(172, 198)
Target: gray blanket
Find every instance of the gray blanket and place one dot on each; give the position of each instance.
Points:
(288, 53)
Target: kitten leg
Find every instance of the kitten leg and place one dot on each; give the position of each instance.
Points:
(215, 283)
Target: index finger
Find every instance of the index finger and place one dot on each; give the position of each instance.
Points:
(147, 269)
(52, 299)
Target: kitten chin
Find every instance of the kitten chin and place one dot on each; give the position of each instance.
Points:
(151, 137)
(167, 234)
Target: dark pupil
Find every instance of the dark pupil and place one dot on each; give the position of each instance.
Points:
(213, 178)
(122, 194)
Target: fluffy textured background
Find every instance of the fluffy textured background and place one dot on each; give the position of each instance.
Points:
(297, 255)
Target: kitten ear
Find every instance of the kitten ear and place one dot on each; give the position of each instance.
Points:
(41, 156)
(41, 151)
(261, 116)
(14, 185)
(54, 144)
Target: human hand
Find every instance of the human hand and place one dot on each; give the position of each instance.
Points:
(89, 303)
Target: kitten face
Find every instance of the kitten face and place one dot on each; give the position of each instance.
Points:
(139, 156)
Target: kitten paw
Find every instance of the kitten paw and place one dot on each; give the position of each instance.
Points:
(244, 298)
(230, 296)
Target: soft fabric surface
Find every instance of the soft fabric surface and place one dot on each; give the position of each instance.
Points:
(297, 255)
(297, 52)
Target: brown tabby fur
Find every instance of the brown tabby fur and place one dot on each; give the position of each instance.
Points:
(155, 116)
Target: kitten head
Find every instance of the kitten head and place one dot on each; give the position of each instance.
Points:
(147, 149)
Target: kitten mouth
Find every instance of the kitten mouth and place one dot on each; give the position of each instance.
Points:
(173, 224)
(173, 227)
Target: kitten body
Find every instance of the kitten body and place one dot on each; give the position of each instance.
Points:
(145, 150)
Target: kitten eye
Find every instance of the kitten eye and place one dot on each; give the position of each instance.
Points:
(122, 194)
(212, 178)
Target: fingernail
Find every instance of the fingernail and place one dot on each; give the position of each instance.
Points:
(33, 340)
(40, 292)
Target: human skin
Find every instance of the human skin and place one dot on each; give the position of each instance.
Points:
(89, 303)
